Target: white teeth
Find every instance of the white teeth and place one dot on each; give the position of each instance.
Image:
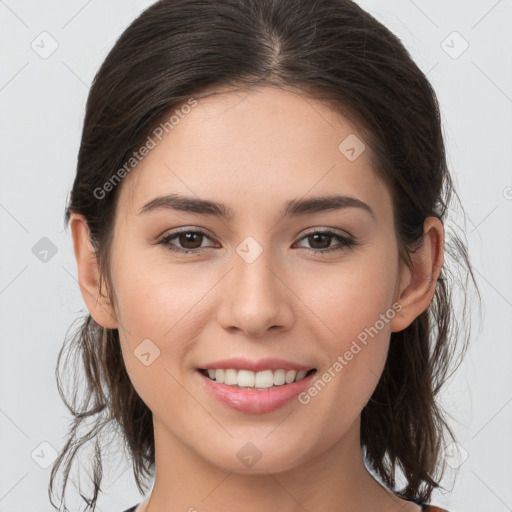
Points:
(290, 376)
(264, 379)
(301, 375)
(245, 379)
(230, 377)
(258, 380)
(279, 377)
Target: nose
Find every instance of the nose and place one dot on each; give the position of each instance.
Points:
(256, 298)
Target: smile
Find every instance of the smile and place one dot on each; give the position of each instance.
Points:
(261, 380)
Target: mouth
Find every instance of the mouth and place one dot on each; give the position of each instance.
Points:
(261, 380)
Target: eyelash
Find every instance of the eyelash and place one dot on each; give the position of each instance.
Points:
(345, 242)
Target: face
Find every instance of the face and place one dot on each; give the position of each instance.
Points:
(313, 287)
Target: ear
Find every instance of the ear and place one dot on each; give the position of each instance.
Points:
(89, 278)
(417, 285)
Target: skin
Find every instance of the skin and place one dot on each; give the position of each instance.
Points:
(254, 150)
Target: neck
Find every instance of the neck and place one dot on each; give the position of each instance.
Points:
(334, 481)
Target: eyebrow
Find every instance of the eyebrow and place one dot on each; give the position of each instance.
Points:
(292, 208)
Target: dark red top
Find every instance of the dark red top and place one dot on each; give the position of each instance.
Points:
(424, 508)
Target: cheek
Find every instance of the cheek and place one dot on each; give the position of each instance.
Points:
(153, 295)
(153, 306)
(352, 296)
(355, 308)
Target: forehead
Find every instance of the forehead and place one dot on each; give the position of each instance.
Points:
(251, 148)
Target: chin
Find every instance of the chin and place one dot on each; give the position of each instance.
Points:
(256, 458)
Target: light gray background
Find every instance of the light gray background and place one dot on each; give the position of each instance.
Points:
(42, 105)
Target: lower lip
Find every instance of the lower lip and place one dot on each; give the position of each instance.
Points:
(252, 400)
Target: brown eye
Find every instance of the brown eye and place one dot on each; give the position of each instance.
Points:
(189, 241)
(320, 242)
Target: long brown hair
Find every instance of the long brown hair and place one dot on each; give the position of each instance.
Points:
(331, 50)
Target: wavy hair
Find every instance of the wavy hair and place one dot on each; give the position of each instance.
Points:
(330, 50)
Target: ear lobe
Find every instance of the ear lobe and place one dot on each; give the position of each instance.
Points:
(89, 277)
(417, 286)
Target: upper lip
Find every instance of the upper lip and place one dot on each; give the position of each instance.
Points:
(269, 363)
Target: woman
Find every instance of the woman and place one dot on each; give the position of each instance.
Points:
(258, 222)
